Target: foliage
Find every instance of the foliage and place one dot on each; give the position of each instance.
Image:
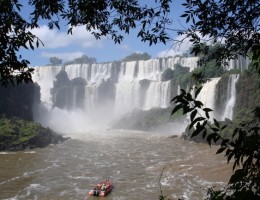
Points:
(110, 18)
(234, 23)
(182, 75)
(55, 61)
(17, 134)
(243, 147)
(82, 60)
(136, 57)
(15, 130)
(208, 66)
(15, 34)
(210, 70)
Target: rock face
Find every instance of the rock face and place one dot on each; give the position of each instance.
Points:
(19, 100)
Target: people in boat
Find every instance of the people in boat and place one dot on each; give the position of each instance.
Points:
(103, 188)
(99, 186)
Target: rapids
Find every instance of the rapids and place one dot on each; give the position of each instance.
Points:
(133, 161)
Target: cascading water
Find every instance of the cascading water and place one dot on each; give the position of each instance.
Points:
(149, 70)
(158, 95)
(231, 96)
(113, 89)
(127, 96)
(207, 94)
(240, 63)
(190, 62)
(44, 76)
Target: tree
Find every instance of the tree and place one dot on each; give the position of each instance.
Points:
(100, 17)
(82, 60)
(137, 56)
(233, 23)
(55, 61)
(236, 25)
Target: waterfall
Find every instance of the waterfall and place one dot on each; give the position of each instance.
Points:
(240, 63)
(158, 95)
(231, 96)
(94, 73)
(127, 72)
(149, 69)
(107, 90)
(207, 94)
(127, 96)
(44, 76)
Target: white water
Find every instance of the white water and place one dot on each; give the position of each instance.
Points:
(207, 94)
(231, 96)
(137, 85)
(44, 76)
(240, 63)
(127, 96)
(127, 78)
(158, 94)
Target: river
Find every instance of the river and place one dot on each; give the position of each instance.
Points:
(134, 162)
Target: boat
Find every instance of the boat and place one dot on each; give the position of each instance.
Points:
(101, 189)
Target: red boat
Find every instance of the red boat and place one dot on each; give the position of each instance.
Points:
(101, 189)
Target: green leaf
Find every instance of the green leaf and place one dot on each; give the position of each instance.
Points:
(193, 114)
(198, 91)
(195, 121)
(197, 131)
(176, 108)
(184, 15)
(220, 150)
(237, 176)
(204, 134)
(207, 109)
(198, 104)
(223, 127)
(216, 123)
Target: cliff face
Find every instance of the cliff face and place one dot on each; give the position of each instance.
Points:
(248, 92)
(19, 100)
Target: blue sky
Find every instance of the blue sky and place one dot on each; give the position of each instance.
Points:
(67, 47)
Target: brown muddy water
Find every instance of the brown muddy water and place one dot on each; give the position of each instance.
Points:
(133, 161)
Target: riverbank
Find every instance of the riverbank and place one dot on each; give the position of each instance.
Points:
(17, 135)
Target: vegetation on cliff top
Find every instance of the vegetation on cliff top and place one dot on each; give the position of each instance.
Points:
(17, 134)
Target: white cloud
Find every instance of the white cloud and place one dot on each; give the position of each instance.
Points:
(181, 45)
(139, 52)
(58, 39)
(177, 47)
(64, 56)
(124, 47)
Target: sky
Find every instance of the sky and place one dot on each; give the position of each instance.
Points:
(68, 47)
